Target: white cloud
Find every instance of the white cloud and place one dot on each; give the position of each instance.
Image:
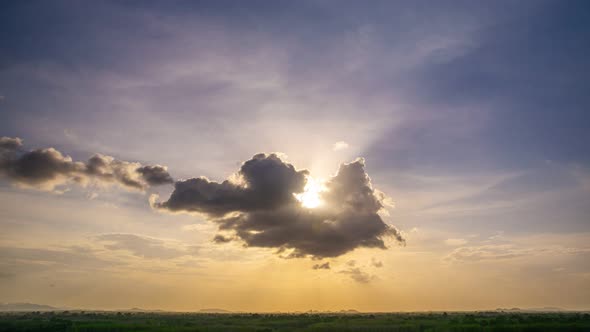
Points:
(339, 146)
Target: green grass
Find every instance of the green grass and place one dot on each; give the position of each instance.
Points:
(398, 322)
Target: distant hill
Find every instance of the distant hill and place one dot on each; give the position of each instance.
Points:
(141, 310)
(544, 309)
(349, 311)
(508, 309)
(26, 307)
(215, 311)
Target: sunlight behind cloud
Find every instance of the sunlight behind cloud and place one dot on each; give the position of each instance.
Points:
(310, 197)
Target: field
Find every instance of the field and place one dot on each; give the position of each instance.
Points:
(406, 322)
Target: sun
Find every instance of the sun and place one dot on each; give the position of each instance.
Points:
(310, 197)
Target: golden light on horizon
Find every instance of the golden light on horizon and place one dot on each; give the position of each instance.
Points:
(310, 197)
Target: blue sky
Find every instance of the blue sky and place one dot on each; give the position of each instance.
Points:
(472, 116)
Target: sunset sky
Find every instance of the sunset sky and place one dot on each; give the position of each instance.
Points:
(295, 155)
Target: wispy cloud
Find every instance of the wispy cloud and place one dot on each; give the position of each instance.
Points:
(494, 252)
(358, 275)
(146, 247)
(455, 242)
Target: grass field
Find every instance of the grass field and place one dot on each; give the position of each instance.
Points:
(406, 322)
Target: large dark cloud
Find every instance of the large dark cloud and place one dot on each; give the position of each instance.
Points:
(262, 211)
(47, 168)
(267, 184)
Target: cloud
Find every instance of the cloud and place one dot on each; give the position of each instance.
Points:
(203, 227)
(325, 266)
(8, 144)
(261, 209)
(486, 253)
(340, 145)
(221, 239)
(155, 175)
(358, 275)
(257, 206)
(47, 168)
(269, 183)
(47, 257)
(376, 263)
(145, 247)
(455, 242)
(507, 251)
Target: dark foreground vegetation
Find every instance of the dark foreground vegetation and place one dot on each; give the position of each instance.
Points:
(407, 322)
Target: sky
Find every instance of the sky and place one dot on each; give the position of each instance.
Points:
(295, 155)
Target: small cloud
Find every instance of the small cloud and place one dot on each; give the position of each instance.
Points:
(325, 266)
(376, 263)
(221, 239)
(2, 98)
(155, 175)
(359, 276)
(339, 146)
(455, 242)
